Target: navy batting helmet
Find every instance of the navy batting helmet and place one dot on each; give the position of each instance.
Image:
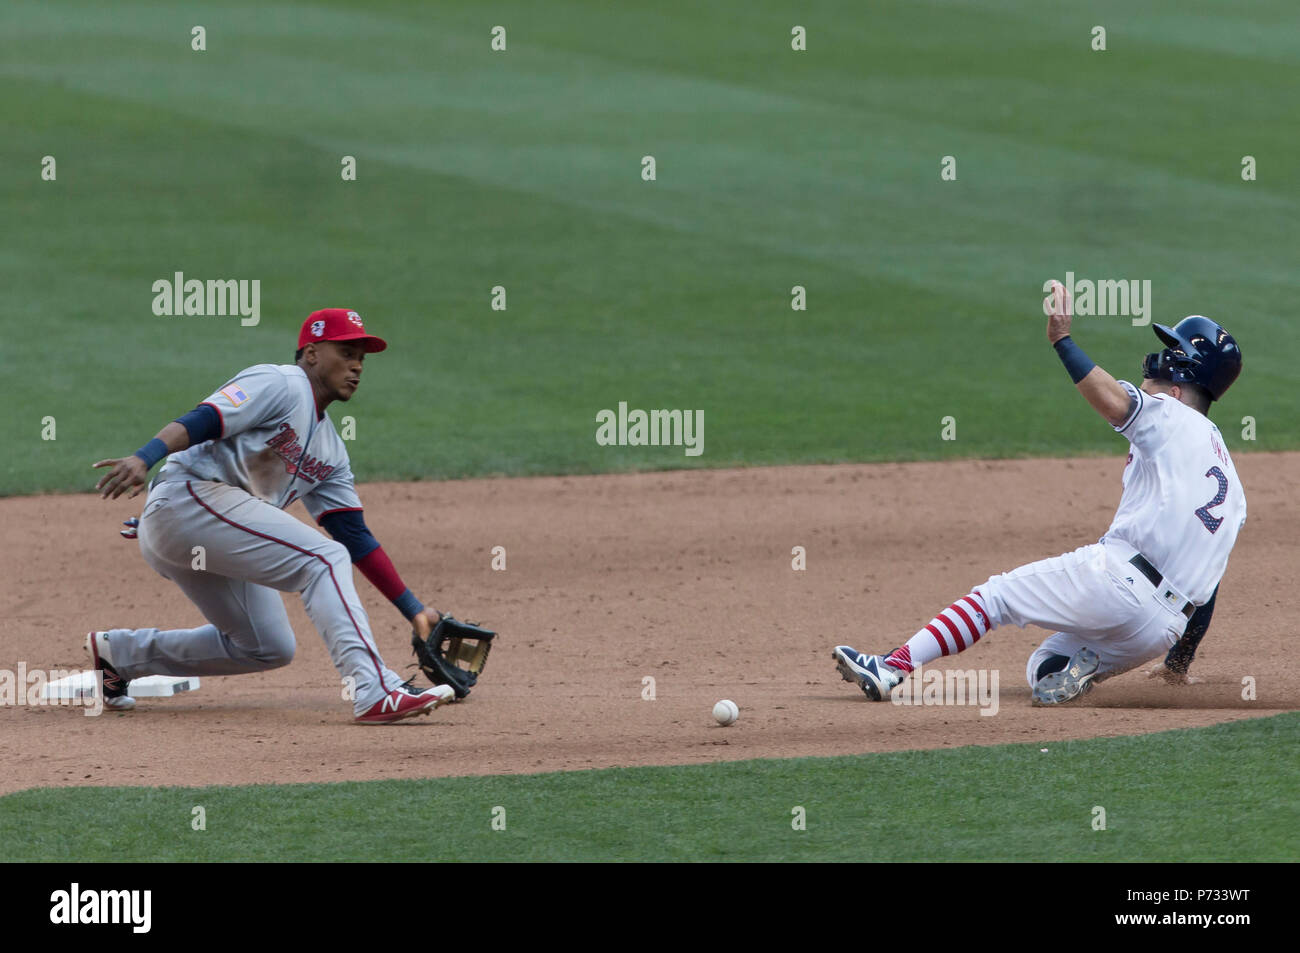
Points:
(1198, 351)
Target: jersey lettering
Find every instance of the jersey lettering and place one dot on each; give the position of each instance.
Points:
(286, 445)
(1212, 523)
(1185, 526)
(276, 445)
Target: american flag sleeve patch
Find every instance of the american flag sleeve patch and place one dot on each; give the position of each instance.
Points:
(234, 394)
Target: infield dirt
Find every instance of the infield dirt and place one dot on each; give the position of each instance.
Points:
(681, 577)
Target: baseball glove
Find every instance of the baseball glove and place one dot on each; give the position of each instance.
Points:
(454, 654)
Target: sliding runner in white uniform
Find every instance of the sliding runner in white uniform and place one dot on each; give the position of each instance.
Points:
(1148, 587)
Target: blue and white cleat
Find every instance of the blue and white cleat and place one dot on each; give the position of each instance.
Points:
(873, 676)
(1056, 688)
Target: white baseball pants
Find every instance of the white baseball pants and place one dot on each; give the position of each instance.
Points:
(1093, 597)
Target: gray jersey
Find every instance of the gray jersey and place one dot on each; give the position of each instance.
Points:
(225, 499)
(273, 444)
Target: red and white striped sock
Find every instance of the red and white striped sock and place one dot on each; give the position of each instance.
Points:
(956, 628)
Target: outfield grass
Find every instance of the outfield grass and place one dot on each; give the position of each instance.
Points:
(522, 169)
(1225, 793)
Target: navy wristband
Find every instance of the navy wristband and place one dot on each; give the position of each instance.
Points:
(1077, 364)
(408, 605)
(152, 452)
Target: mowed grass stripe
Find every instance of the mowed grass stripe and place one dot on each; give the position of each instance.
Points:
(1223, 793)
(521, 169)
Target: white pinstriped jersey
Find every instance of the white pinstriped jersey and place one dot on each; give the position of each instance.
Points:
(1183, 504)
(273, 444)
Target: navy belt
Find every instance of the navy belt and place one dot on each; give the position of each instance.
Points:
(1150, 571)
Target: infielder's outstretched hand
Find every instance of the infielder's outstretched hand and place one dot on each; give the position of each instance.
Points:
(127, 472)
(1059, 313)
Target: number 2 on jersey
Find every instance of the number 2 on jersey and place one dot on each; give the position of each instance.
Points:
(1212, 523)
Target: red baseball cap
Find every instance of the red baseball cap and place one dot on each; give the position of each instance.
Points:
(338, 324)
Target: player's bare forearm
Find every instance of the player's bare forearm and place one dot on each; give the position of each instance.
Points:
(175, 436)
(1106, 396)
(128, 473)
(1101, 390)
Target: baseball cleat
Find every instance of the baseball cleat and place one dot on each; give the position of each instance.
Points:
(1069, 683)
(400, 703)
(115, 696)
(873, 676)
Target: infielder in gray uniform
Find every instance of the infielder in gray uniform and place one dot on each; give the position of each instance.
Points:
(236, 461)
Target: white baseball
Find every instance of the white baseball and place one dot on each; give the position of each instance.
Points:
(726, 712)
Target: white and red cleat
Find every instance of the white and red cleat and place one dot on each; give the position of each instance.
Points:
(114, 685)
(400, 703)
